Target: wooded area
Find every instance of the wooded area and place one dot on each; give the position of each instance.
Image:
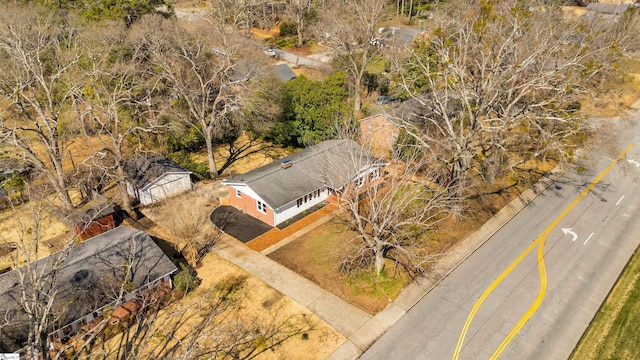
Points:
(496, 86)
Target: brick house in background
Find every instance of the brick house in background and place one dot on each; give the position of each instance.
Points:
(87, 283)
(381, 131)
(277, 192)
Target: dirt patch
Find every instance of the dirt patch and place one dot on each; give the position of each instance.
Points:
(317, 344)
(260, 34)
(29, 224)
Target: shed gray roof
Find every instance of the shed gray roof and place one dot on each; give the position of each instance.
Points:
(88, 279)
(142, 171)
(611, 9)
(283, 72)
(332, 163)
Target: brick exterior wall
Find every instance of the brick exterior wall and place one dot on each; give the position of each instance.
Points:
(378, 132)
(249, 205)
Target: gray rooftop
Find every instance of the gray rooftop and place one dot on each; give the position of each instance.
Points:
(283, 72)
(88, 278)
(610, 9)
(332, 163)
(142, 171)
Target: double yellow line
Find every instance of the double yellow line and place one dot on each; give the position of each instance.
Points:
(539, 242)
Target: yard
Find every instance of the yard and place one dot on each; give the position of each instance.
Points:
(316, 254)
(171, 216)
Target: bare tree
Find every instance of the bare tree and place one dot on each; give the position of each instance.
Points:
(350, 30)
(206, 73)
(39, 54)
(500, 85)
(119, 96)
(193, 232)
(299, 11)
(389, 206)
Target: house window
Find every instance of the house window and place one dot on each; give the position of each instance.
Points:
(262, 207)
(374, 174)
(238, 193)
(299, 202)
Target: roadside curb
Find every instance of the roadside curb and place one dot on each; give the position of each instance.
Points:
(367, 334)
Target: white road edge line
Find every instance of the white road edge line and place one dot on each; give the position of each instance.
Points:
(585, 242)
(618, 203)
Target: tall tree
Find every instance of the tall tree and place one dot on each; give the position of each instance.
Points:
(206, 73)
(299, 10)
(119, 96)
(350, 30)
(390, 209)
(500, 84)
(312, 110)
(40, 56)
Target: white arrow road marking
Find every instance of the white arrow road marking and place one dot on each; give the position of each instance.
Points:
(585, 242)
(568, 231)
(618, 202)
(633, 162)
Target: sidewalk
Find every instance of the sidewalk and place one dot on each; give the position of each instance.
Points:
(359, 328)
(375, 327)
(339, 314)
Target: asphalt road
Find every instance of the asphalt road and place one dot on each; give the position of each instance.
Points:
(581, 264)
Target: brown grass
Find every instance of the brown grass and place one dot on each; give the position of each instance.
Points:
(315, 256)
(321, 342)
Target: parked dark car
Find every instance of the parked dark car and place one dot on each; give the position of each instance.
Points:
(386, 99)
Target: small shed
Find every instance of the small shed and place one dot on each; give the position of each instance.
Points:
(150, 179)
(94, 219)
(283, 72)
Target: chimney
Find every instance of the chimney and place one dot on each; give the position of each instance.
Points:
(286, 163)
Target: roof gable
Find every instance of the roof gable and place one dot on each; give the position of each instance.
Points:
(142, 171)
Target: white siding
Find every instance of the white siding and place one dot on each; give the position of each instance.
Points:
(165, 186)
(291, 209)
(245, 190)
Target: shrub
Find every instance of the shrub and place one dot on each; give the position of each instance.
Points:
(200, 170)
(288, 29)
(185, 280)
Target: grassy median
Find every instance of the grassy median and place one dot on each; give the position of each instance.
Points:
(615, 331)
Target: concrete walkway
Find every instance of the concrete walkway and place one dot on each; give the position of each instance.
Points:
(359, 328)
(367, 334)
(339, 314)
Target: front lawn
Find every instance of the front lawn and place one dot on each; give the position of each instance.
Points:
(315, 256)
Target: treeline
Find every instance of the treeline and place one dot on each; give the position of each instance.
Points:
(153, 84)
(493, 86)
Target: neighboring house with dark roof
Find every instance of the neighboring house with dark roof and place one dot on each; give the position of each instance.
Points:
(150, 179)
(283, 72)
(87, 283)
(276, 192)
